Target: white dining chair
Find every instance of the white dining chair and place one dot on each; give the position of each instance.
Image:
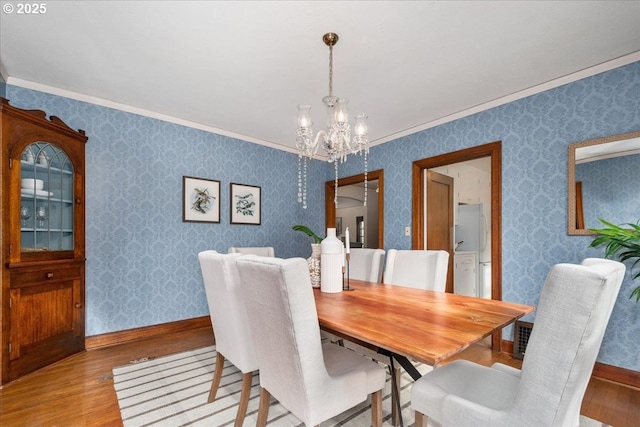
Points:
(230, 324)
(366, 264)
(574, 309)
(253, 250)
(424, 269)
(314, 381)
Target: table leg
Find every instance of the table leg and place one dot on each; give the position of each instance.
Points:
(396, 407)
(396, 410)
(408, 366)
(404, 362)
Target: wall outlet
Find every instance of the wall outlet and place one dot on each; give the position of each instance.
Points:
(407, 231)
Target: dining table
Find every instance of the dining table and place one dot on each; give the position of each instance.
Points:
(412, 325)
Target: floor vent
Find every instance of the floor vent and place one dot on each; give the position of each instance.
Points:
(521, 338)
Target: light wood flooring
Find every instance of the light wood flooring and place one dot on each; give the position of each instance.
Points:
(78, 391)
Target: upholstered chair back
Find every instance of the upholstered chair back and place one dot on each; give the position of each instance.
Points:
(424, 269)
(284, 324)
(366, 264)
(574, 308)
(226, 308)
(571, 318)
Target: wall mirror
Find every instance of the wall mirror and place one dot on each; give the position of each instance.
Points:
(603, 182)
(366, 223)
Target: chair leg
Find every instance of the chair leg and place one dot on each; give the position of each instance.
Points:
(263, 408)
(244, 398)
(376, 409)
(216, 377)
(420, 420)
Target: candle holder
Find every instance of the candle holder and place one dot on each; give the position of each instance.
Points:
(346, 268)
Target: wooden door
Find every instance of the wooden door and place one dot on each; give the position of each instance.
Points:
(440, 217)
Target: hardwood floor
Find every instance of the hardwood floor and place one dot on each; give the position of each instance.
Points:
(78, 391)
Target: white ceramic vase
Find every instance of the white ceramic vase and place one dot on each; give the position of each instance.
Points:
(331, 263)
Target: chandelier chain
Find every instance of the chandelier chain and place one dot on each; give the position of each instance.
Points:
(330, 70)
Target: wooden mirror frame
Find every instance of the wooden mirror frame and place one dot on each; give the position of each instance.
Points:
(330, 193)
(575, 213)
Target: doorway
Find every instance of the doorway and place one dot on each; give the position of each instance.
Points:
(469, 224)
(494, 152)
(370, 228)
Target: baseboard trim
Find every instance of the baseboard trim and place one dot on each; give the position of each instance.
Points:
(617, 374)
(121, 337)
(600, 370)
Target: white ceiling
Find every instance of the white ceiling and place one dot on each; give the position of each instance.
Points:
(240, 68)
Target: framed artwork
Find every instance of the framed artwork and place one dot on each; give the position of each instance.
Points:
(338, 226)
(200, 200)
(245, 202)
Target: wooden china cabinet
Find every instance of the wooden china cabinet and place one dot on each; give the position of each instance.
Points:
(43, 249)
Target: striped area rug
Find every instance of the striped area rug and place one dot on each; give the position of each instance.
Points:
(172, 391)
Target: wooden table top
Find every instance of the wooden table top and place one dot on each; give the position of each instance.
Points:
(425, 326)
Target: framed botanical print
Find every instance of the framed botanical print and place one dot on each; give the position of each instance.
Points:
(200, 200)
(245, 202)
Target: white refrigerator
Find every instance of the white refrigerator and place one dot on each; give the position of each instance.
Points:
(472, 236)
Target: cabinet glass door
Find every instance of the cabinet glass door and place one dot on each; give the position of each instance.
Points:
(46, 199)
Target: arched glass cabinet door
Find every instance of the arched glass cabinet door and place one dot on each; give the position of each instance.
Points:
(46, 199)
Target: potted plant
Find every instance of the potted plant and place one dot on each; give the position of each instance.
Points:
(314, 259)
(623, 242)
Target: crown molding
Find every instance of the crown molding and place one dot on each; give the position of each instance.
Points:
(587, 72)
(569, 78)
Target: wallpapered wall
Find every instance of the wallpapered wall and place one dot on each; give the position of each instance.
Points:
(141, 259)
(535, 134)
(142, 266)
(610, 190)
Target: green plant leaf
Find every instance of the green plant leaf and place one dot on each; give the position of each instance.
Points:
(623, 242)
(306, 230)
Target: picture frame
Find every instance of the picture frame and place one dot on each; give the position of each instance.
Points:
(200, 200)
(339, 226)
(245, 204)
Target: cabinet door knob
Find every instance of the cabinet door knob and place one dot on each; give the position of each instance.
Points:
(78, 305)
(49, 275)
(78, 201)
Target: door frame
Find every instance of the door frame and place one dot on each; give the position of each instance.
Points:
(494, 151)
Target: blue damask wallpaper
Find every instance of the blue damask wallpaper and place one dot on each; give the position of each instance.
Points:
(610, 190)
(142, 259)
(142, 266)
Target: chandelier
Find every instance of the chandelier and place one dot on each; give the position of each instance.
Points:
(336, 139)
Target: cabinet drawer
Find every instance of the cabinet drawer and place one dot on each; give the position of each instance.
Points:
(40, 275)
